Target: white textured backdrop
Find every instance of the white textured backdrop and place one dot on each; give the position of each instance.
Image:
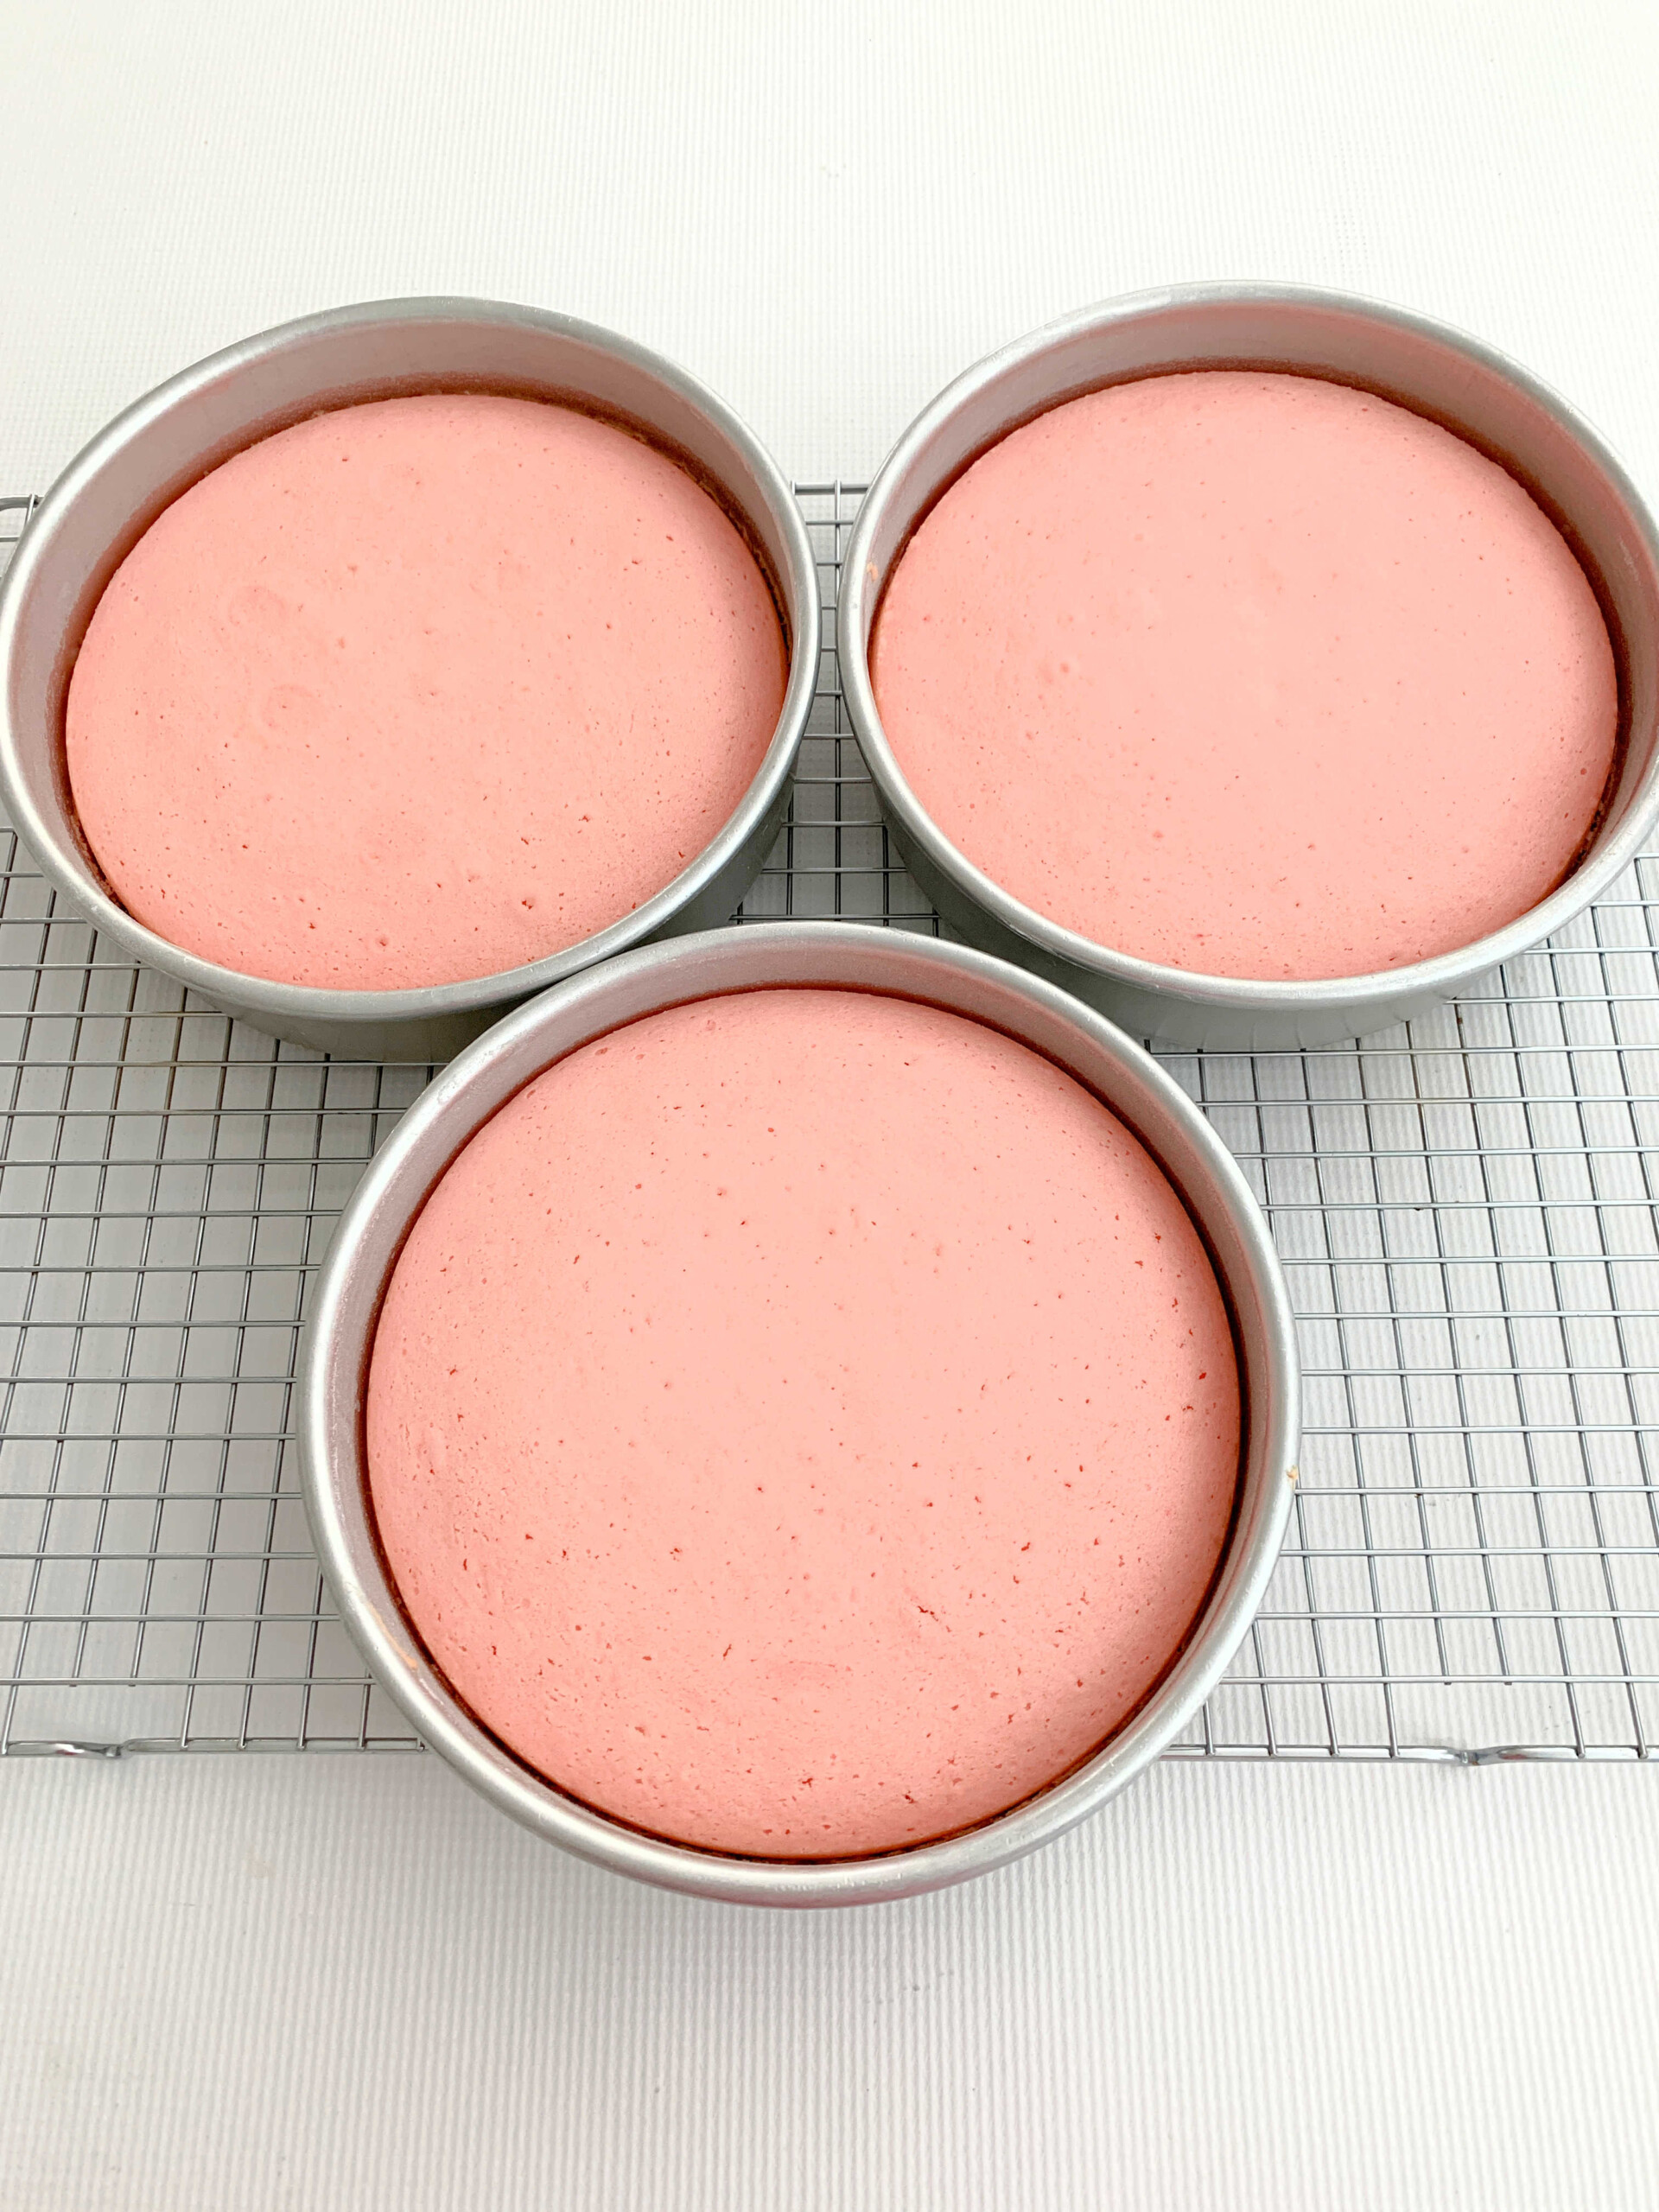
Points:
(825, 209)
(303, 1983)
(341, 1983)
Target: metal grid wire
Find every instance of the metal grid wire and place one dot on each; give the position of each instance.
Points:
(1466, 1211)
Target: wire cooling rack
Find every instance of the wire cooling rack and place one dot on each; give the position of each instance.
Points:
(1466, 1211)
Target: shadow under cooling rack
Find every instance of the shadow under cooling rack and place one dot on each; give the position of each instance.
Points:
(1466, 1213)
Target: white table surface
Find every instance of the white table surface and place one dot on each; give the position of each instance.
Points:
(342, 1982)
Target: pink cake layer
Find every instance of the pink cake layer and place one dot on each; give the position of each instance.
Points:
(802, 1423)
(420, 690)
(1251, 675)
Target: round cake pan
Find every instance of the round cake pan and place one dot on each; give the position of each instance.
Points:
(1435, 371)
(340, 1328)
(114, 491)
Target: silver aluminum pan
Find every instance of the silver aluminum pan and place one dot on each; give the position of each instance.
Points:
(113, 490)
(1436, 372)
(348, 1293)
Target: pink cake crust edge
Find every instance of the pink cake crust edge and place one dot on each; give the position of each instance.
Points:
(723, 1526)
(420, 690)
(1250, 674)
